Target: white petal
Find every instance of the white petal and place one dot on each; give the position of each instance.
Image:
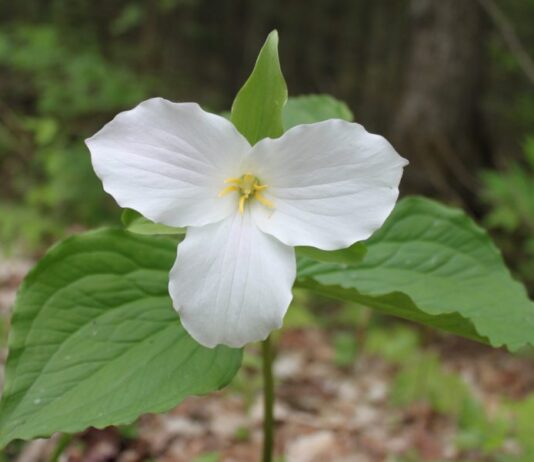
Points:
(332, 184)
(231, 283)
(169, 161)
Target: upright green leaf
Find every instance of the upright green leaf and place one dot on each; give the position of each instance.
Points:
(257, 108)
(308, 109)
(95, 341)
(430, 263)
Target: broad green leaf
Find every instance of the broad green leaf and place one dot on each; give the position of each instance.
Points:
(129, 216)
(308, 109)
(257, 108)
(95, 341)
(137, 223)
(432, 264)
(348, 256)
(394, 303)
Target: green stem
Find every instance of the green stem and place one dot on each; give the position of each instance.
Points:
(63, 442)
(268, 400)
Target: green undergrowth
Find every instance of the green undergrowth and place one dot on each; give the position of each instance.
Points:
(421, 379)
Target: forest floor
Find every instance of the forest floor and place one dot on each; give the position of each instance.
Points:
(373, 404)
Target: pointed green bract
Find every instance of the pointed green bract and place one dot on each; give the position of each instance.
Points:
(432, 264)
(95, 341)
(257, 108)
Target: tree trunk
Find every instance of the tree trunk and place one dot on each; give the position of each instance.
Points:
(438, 127)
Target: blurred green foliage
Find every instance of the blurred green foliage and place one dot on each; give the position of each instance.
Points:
(509, 195)
(208, 457)
(345, 349)
(422, 379)
(47, 177)
(512, 98)
(524, 425)
(68, 67)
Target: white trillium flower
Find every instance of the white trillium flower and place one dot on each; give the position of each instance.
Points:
(325, 185)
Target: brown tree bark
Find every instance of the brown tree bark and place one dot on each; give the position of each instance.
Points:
(438, 127)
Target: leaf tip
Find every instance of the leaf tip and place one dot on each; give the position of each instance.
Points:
(273, 35)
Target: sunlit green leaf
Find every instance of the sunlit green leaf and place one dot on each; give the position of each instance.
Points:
(432, 264)
(95, 340)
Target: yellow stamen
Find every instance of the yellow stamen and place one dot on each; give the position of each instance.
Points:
(263, 200)
(248, 187)
(242, 200)
(228, 189)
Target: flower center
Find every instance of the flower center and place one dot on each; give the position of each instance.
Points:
(247, 186)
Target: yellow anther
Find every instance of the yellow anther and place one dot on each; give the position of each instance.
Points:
(247, 186)
(263, 200)
(228, 189)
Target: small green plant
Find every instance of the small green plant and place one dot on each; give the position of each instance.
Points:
(208, 457)
(114, 323)
(476, 431)
(398, 344)
(345, 348)
(510, 196)
(425, 381)
(421, 379)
